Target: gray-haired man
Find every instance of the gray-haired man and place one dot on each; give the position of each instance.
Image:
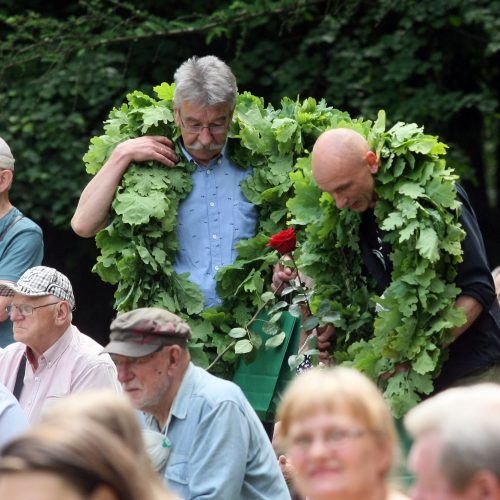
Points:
(21, 241)
(456, 450)
(217, 448)
(216, 214)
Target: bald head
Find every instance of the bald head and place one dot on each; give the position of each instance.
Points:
(343, 166)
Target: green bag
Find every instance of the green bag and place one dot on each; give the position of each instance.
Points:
(265, 378)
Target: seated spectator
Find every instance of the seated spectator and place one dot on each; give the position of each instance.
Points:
(217, 447)
(339, 436)
(456, 450)
(74, 460)
(12, 419)
(61, 359)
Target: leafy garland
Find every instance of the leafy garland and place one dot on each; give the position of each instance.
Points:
(138, 248)
(418, 213)
(416, 209)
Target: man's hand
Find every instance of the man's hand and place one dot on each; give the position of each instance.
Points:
(325, 334)
(282, 275)
(147, 148)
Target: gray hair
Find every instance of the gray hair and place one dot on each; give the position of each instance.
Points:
(467, 421)
(205, 80)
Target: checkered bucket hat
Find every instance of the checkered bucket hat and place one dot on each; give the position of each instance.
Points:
(39, 281)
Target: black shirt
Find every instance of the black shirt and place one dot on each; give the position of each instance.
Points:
(479, 346)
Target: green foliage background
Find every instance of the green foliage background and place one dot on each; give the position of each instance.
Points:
(63, 65)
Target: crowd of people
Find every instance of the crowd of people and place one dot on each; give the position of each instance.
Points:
(136, 419)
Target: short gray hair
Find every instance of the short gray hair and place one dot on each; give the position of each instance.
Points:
(205, 80)
(467, 421)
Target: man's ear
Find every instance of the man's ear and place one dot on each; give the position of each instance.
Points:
(372, 160)
(5, 179)
(174, 356)
(62, 312)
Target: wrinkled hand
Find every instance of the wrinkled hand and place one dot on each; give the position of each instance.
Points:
(147, 148)
(286, 468)
(282, 275)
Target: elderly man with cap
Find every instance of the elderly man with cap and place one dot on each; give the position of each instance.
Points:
(60, 359)
(215, 447)
(21, 241)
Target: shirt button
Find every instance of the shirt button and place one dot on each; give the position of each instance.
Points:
(36, 379)
(219, 161)
(209, 171)
(214, 236)
(212, 204)
(217, 268)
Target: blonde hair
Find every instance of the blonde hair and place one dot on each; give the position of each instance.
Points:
(467, 421)
(86, 457)
(115, 413)
(332, 390)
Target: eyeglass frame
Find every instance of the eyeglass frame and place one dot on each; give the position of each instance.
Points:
(335, 438)
(11, 307)
(199, 128)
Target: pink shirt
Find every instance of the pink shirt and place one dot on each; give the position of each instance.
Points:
(72, 364)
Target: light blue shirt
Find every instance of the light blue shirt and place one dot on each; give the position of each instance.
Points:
(213, 218)
(12, 419)
(219, 449)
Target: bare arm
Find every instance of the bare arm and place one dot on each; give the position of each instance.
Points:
(472, 308)
(91, 214)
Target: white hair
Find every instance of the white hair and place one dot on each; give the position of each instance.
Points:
(467, 419)
(205, 80)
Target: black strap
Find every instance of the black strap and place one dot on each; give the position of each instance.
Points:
(16, 219)
(20, 378)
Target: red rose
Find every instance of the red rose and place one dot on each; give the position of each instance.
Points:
(284, 241)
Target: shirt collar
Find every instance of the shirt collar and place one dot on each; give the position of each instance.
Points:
(180, 405)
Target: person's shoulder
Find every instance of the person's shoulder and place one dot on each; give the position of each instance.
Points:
(215, 389)
(86, 347)
(27, 224)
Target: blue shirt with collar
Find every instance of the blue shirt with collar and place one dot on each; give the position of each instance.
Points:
(213, 218)
(219, 449)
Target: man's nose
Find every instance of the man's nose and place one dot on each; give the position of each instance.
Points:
(124, 373)
(340, 201)
(205, 136)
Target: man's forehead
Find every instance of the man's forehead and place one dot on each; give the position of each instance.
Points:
(195, 110)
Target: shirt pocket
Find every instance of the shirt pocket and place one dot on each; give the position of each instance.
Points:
(177, 471)
(245, 219)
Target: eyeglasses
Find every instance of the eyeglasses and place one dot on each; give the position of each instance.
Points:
(336, 437)
(213, 128)
(25, 309)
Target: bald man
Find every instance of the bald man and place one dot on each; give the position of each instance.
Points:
(344, 166)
